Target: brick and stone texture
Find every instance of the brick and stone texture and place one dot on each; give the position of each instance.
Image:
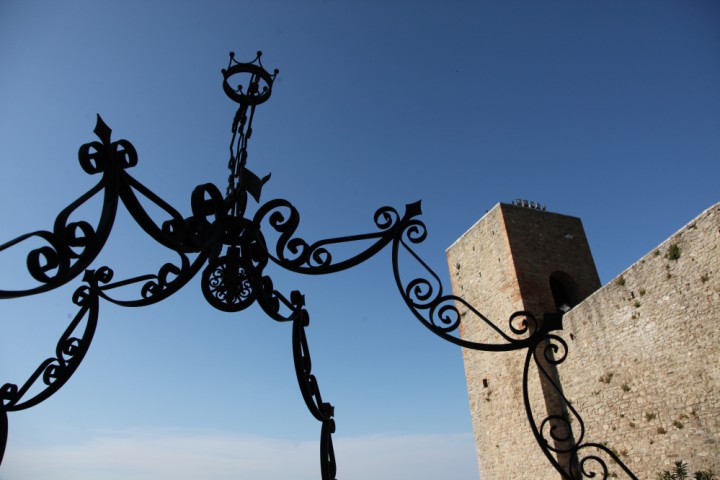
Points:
(644, 363)
(503, 264)
(643, 368)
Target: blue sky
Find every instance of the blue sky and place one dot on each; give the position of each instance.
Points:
(609, 111)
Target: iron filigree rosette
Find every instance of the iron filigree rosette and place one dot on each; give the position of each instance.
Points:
(221, 236)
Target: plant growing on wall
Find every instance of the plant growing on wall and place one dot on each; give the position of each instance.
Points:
(673, 252)
(680, 472)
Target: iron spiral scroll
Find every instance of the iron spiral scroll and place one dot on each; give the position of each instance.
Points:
(228, 247)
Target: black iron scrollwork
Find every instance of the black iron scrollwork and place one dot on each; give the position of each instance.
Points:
(297, 255)
(220, 236)
(230, 246)
(69, 352)
(54, 372)
(442, 313)
(72, 246)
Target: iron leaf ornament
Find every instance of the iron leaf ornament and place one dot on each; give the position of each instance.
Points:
(223, 242)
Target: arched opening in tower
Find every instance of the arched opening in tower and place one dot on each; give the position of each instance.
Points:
(564, 291)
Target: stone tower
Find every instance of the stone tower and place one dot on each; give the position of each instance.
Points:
(643, 367)
(515, 258)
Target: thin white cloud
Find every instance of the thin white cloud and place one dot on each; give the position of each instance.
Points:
(172, 455)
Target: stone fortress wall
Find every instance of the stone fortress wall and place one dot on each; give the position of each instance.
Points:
(643, 369)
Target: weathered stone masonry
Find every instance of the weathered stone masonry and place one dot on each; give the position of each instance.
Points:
(644, 363)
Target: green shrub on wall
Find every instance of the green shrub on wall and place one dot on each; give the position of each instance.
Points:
(680, 472)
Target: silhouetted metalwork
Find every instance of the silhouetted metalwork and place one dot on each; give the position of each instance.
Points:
(232, 248)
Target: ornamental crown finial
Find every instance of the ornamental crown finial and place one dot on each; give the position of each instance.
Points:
(259, 86)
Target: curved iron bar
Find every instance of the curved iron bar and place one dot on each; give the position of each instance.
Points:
(297, 255)
(58, 263)
(271, 301)
(69, 353)
(155, 287)
(555, 434)
(3, 432)
(183, 235)
(441, 313)
(322, 411)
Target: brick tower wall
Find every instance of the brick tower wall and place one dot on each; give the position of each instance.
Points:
(501, 265)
